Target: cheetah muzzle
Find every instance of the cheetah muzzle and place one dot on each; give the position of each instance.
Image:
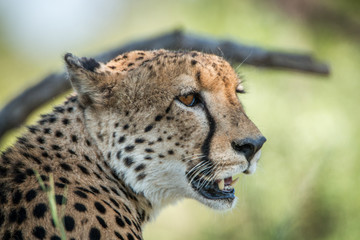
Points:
(142, 131)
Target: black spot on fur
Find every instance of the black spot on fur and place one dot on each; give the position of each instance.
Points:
(65, 166)
(20, 177)
(119, 221)
(118, 155)
(140, 167)
(7, 235)
(193, 62)
(121, 139)
(148, 128)
(126, 126)
(101, 221)
(12, 216)
(59, 109)
(30, 195)
(69, 223)
(87, 158)
(80, 194)
(129, 148)
(71, 152)
(47, 130)
(39, 232)
(58, 134)
(21, 215)
(55, 147)
(52, 119)
(139, 140)
(130, 236)
(94, 234)
(105, 189)
(3, 171)
(128, 161)
(141, 176)
(54, 237)
(118, 235)
(2, 218)
(80, 207)
(83, 169)
(171, 152)
(100, 207)
(59, 185)
(60, 199)
(64, 180)
(198, 76)
(40, 210)
(168, 109)
(18, 235)
(158, 118)
(127, 221)
(65, 121)
(74, 138)
(47, 168)
(115, 202)
(149, 150)
(40, 140)
(33, 129)
(16, 198)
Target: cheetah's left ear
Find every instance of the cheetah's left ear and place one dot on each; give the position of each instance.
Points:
(83, 78)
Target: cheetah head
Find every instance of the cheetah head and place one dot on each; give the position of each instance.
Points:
(170, 124)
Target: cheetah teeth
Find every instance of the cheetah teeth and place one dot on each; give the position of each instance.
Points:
(221, 184)
(227, 183)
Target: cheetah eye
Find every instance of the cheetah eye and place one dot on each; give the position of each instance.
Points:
(189, 100)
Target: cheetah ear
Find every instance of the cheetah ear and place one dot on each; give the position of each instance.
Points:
(83, 78)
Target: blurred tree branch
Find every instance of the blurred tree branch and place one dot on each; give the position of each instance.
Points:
(17, 110)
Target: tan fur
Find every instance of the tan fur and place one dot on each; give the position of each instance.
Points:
(122, 146)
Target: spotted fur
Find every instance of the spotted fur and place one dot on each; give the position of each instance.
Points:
(124, 146)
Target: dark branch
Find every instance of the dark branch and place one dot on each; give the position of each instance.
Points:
(16, 112)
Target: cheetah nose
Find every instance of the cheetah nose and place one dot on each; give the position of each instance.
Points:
(248, 146)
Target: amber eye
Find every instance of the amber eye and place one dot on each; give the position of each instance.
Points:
(189, 100)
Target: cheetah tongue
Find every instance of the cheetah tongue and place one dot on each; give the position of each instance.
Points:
(226, 183)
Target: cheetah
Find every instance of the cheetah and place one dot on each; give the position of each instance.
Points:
(143, 131)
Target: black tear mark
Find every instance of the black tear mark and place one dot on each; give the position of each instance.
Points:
(205, 148)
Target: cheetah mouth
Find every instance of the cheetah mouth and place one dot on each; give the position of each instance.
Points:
(220, 189)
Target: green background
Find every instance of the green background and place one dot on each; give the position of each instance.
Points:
(306, 186)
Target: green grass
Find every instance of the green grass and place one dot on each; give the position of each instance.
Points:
(50, 191)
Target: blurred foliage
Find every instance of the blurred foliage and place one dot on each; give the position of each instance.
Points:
(305, 187)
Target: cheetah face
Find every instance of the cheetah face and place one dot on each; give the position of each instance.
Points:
(170, 124)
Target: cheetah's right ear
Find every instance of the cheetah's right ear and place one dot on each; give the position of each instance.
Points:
(83, 78)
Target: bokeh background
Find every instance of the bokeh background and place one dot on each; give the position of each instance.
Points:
(307, 184)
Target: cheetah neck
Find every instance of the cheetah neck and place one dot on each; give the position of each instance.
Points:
(64, 136)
